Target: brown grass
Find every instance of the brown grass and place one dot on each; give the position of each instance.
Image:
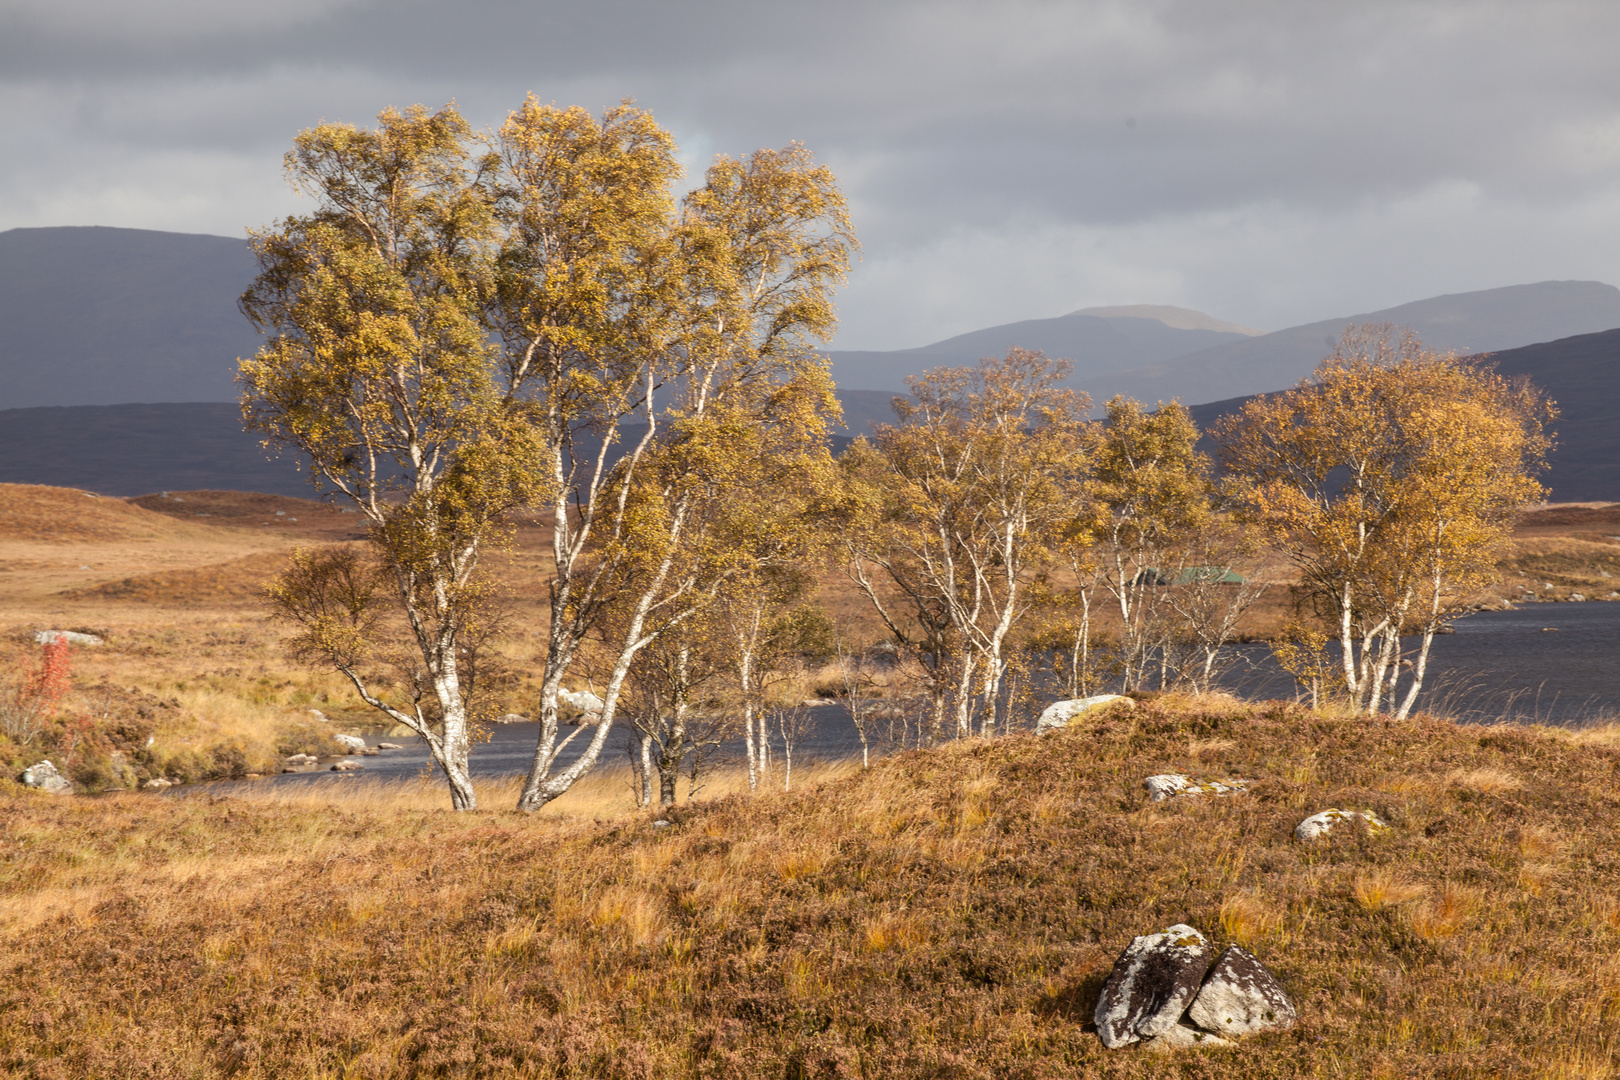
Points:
(949, 913)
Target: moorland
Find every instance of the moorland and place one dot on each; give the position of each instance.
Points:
(949, 912)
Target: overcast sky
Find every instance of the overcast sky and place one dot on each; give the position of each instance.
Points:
(1270, 164)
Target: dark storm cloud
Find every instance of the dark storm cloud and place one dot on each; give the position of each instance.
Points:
(1271, 162)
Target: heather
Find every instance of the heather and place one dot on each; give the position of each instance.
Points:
(948, 913)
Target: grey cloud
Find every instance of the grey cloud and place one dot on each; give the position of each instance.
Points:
(986, 147)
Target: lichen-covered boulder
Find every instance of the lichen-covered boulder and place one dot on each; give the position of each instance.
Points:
(1323, 823)
(45, 777)
(1182, 1037)
(1241, 997)
(1059, 713)
(1153, 982)
(72, 637)
(1165, 785)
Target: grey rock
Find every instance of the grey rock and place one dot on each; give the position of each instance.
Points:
(1165, 785)
(1153, 982)
(513, 718)
(1241, 997)
(1059, 713)
(347, 766)
(389, 746)
(317, 716)
(1182, 1037)
(350, 742)
(46, 637)
(45, 777)
(1321, 824)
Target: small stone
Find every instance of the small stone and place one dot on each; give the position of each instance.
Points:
(50, 637)
(317, 716)
(1152, 983)
(347, 766)
(1577, 597)
(1059, 713)
(1241, 997)
(660, 824)
(158, 783)
(45, 778)
(1182, 1037)
(389, 746)
(513, 718)
(1322, 823)
(1165, 785)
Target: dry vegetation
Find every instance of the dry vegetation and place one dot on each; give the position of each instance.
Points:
(949, 913)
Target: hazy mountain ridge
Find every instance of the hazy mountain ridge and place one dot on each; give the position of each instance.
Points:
(1098, 345)
(1487, 321)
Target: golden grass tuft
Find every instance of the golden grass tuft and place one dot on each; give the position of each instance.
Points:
(1248, 920)
(1490, 781)
(1441, 919)
(1383, 887)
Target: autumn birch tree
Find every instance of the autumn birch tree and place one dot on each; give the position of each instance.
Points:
(378, 368)
(974, 484)
(1391, 478)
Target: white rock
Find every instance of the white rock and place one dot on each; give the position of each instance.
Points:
(1320, 824)
(389, 746)
(158, 783)
(317, 716)
(47, 637)
(1241, 997)
(1182, 1037)
(1163, 786)
(349, 742)
(1059, 713)
(1153, 982)
(581, 703)
(45, 777)
(510, 718)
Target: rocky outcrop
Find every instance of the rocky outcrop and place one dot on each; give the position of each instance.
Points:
(72, 637)
(44, 777)
(1166, 785)
(1059, 713)
(579, 706)
(1321, 824)
(1152, 983)
(1164, 994)
(1241, 997)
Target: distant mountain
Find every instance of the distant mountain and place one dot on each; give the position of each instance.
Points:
(1475, 322)
(1098, 340)
(95, 316)
(1582, 375)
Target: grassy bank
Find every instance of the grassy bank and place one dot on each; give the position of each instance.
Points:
(951, 913)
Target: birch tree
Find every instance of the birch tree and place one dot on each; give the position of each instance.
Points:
(378, 368)
(969, 490)
(1391, 478)
(732, 298)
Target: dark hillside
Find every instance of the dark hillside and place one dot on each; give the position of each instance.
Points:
(94, 316)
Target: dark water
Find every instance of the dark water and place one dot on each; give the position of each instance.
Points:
(1552, 663)
(510, 750)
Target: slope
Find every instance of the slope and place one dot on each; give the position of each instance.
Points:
(98, 316)
(1098, 340)
(1486, 321)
